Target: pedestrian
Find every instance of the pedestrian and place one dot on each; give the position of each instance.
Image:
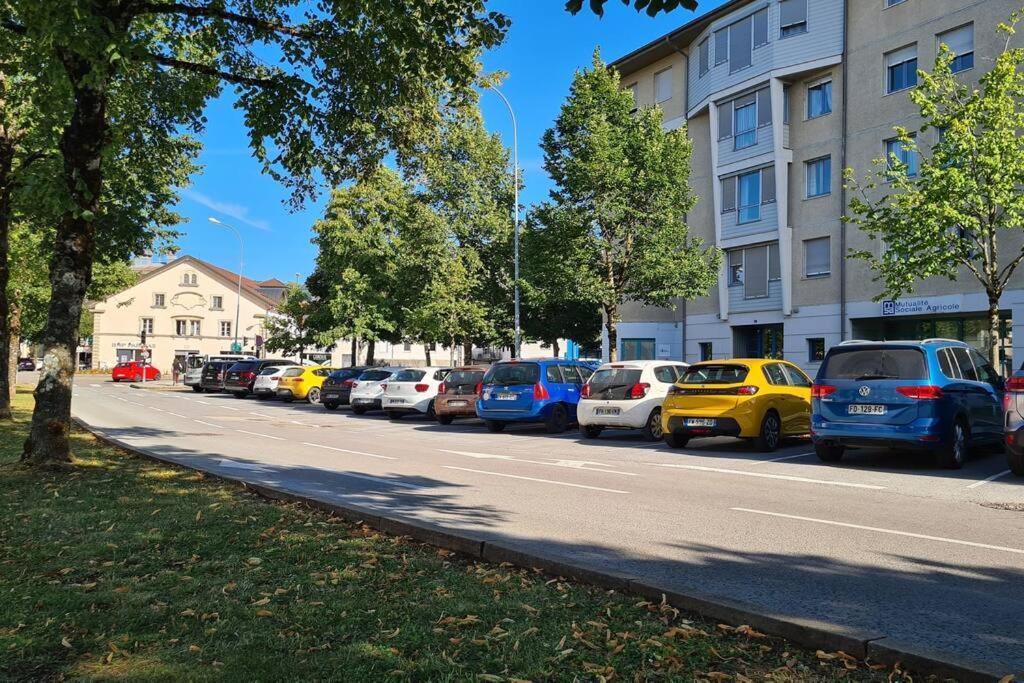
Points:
(176, 369)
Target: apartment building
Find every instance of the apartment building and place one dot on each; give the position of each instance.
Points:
(778, 96)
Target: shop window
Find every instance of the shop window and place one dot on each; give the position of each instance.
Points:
(638, 349)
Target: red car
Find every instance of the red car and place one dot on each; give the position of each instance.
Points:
(133, 371)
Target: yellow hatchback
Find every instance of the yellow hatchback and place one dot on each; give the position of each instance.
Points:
(751, 398)
(302, 383)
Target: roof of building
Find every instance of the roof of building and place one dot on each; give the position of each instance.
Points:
(249, 286)
(272, 282)
(674, 40)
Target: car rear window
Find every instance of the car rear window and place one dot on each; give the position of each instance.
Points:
(345, 373)
(613, 383)
(269, 370)
(124, 365)
(714, 374)
(409, 376)
(464, 378)
(292, 372)
(374, 375)
(874, 363)
(242, 367)
(513, 373)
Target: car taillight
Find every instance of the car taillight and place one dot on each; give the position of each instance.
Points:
(639, 390)
(478, 389)
(675, 390)
(585, 393)
(822, 390)
(925, 392)
(443, 389)
(747, 390)
(540, 392)
(347, 383)
(383, 386)
(420, 388)
(1015, 384)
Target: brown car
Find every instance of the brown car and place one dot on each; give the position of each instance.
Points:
(458, 394)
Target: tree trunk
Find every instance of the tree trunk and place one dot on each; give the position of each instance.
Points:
(370, 347)
(611, 314)
(555, 349)
(467, 353)
(355, 352)
(426, 351)
(7, 339)
(995, 340)
(14, 346)
(82, 146)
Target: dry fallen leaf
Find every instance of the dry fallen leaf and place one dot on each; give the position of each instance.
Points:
(66, 643)
(254, 561)
(264, 613)
(194, 648)
(262, 601)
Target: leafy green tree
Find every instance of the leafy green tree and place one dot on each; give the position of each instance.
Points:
(620, 197)
(651, 7)
(952, 217)
(288, 327)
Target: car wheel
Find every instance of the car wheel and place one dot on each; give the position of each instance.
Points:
(590, 431)
(445, 419)
(198, 390)
(558, 420)
(330, 405)
(675, 440)
(494, 426)
(137, 378)
(431, 412)
(1016, 461)
(156, 377)
(652, 431)
(828, 453)
(115, 379)
(951, 456)
(240, 394)
(771, 433)
(394, 415)
(313, 396)
(359, 410)
(262, 397)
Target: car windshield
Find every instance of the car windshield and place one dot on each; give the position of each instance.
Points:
(874, 363)
(409, 376)
(124, 365)
(374, 375)
(714, 374)
(513, 373)
(464, 378)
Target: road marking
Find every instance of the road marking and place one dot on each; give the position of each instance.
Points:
(95, 385)
(894, 532)
(345, 450)
(769, 476)
(157, 410)
(205, 403)
(228, 408)
(208, 424)
(179, 415)
(260, 414)
(543, 481)
(569, 464)
(265, 436)
(785, 457)
(985, 481)
(481, 456)
(304, 424)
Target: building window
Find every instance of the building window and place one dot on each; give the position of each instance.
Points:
(774, 267)
(158, 301)
(225, 328)
(815, 349)
(753, 268)
(818, 257)
(792, 17)
(741, 44)
(736, 268)
(638, 349)
(147, 325)
(760, 28)
(705, 58)
(181, 327)
(722, 46)
(218, 303)
(194, 329)
(896, 151)
(663, 85)
(893, 3)
(745, 125)
(749, 197)
(960, 42)
(819, 99)
(407, 346)
(819, 177)
(634, 91)
(901, 69)
(706, 351)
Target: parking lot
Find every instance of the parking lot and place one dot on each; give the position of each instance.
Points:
(892, 544)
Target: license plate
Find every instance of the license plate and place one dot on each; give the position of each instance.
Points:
(457, 404)
(361, 400)
(507, 397)
(607, 411)
(863, 409)
(396, 401)
(699, 422)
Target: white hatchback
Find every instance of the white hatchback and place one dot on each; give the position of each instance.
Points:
(265, 385)
(627, 395)
(368, 389)
(413, 390)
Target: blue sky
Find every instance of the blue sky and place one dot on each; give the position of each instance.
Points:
(543, 49)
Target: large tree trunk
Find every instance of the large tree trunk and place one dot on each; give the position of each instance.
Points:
(467, 353)
(355, 352)
(7, 339)
(13, 346)
(995, 340)
(611, 316)
(555, 350)
(82, 144)
(426, 352)
(370, 347)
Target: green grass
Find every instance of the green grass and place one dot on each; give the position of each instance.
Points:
(127, 568)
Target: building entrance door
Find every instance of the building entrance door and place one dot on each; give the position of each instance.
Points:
(758, 341)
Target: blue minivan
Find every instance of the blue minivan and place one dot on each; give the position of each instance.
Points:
(536, 390)
(938, 396)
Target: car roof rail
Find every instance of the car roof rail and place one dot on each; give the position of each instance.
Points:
(942, 340)
(856, 341)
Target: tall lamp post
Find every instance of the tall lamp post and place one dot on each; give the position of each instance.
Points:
(241, 262)
(515, 218)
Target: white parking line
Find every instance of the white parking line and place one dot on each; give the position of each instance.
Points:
(543, 481)
(992, 478)
(785, 457)
(893, 532)
(743, 473)
(228, 408)
(555, 462)
(303, 424)
(345, 450)
(205, 403)
(260, 414)
(95, 385)
(208, 424)
(179, 415)
(265, 436)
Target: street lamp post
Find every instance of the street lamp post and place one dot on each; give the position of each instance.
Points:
(515, 218)
(241, 262)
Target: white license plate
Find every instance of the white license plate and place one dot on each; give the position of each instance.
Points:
(456, 404)
(863, 409)
(699, 422)
(362, 400)
(395, 401)
(507, 397)
(607, 411)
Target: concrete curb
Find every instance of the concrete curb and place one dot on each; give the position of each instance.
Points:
(875, 647)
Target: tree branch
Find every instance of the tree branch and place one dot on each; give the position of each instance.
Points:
(214, 13)
(215, 73)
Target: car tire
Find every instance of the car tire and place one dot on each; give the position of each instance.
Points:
(240, 394)
(828, 453)
(675, 440)
(1016, 461)
(558, 420)
(198, 390)
(591, 431)
(951, 455)
(394, 415)
(770, 436)
(156, 377)
(137, 378)
(262, 397)
(313, 396)
(431, 412)
(330, 405)
(494, 426)
(115, 380)
(652, 430)
(288, 399)
(358, 410)
(445, 419)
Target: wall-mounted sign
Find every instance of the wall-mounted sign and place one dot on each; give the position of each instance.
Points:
(919, 307)
(664, 351)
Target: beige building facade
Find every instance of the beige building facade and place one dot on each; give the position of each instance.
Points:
(779, 96)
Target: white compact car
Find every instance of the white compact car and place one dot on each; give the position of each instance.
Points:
(413, 390)
(627, 395)
(265, 385)
(368, 390)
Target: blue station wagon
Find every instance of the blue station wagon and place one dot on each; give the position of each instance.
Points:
(938, 396)
(543, 390)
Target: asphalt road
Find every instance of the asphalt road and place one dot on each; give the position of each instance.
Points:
(882, 543)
